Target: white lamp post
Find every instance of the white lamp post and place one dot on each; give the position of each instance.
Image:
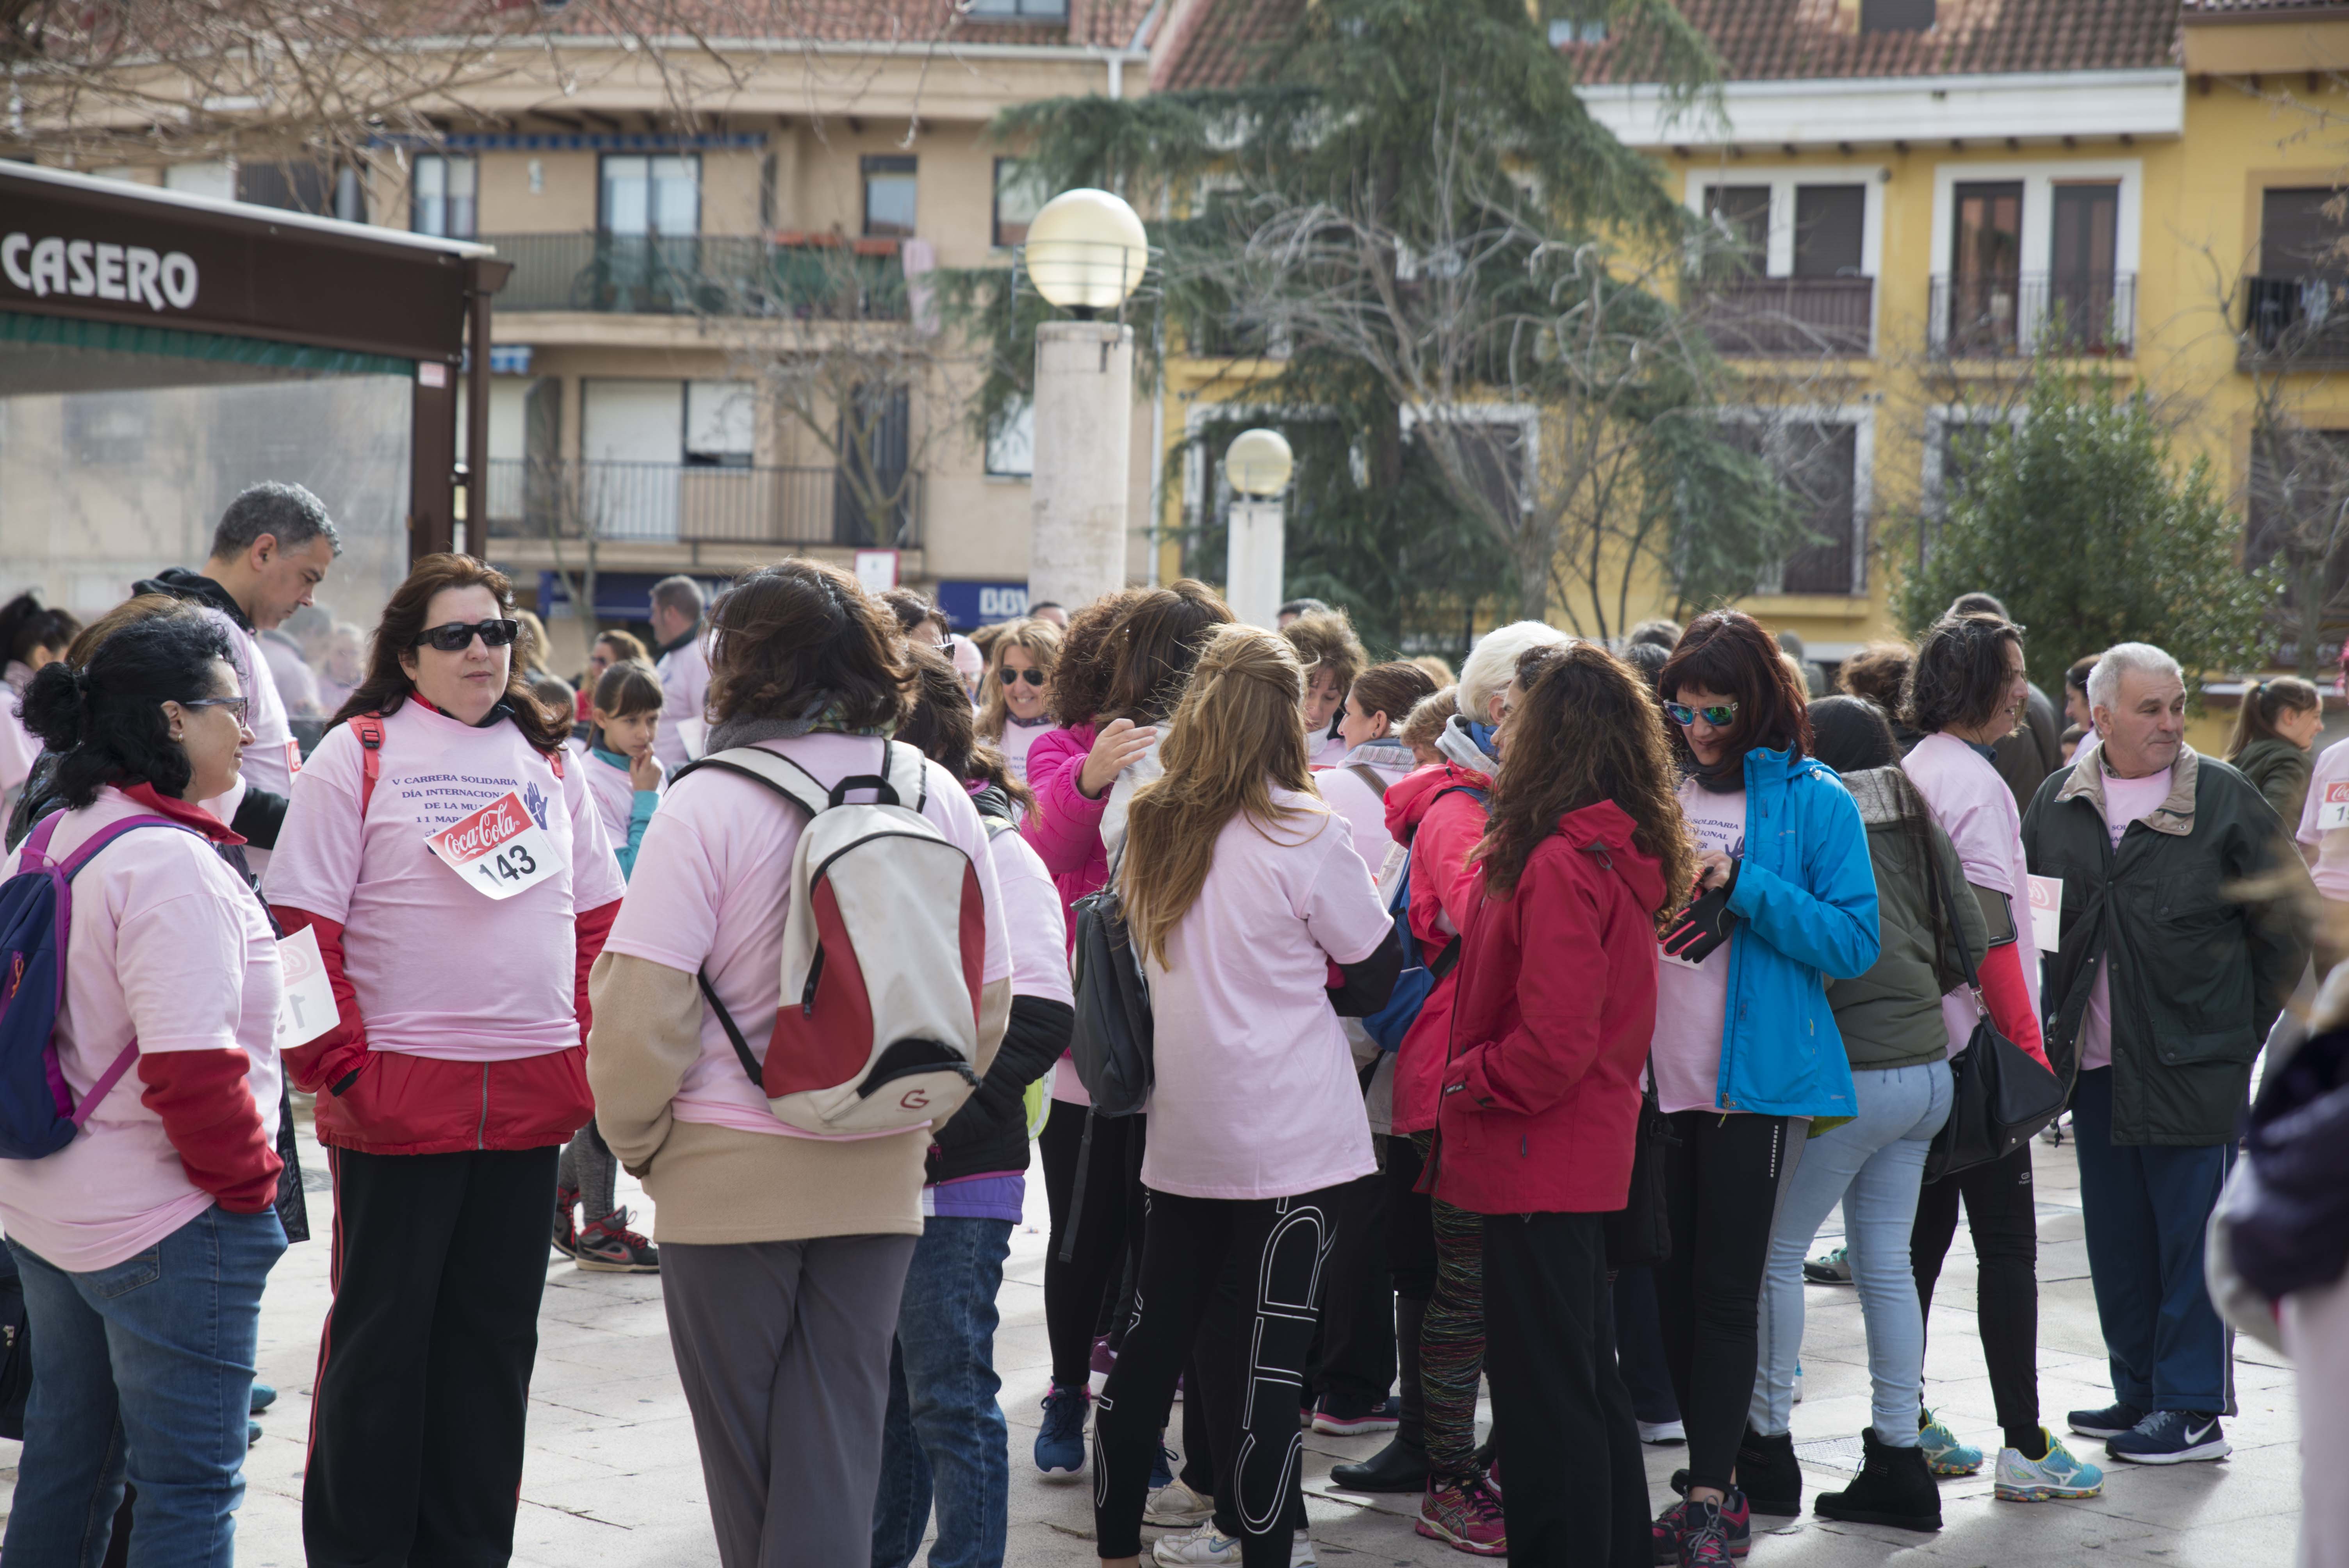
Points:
(1086, 253)
(1258, 463)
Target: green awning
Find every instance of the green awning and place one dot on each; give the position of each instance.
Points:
(120, 338)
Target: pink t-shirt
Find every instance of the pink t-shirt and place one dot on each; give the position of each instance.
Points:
(269, 763)
(1035, 930)
(1692, 999)
(685, 685)
(1017, 738)
(2125, 800)
(19, 746)
(2330, 870)
(712, 887)
(441, 970)
(614, 793)
(1325, 750)
(1976, 808)
(1255, 1095)
(1364, 808)
(169, 946)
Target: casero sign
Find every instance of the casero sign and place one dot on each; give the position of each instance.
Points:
(91, 269)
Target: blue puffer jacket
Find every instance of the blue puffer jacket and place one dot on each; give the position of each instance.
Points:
(1805, 895)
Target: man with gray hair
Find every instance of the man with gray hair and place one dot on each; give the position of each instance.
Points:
(684, 667)
(2183, 929)
(273, 548)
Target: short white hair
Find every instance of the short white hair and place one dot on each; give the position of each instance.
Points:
(2144, 658)
(1493, 663)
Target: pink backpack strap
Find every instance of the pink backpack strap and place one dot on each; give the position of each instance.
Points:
(106, 1082)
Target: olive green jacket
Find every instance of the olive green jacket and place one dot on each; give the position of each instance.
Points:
(1890, 1017)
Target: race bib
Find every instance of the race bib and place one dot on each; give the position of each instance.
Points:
(499, 850)
(308, 1009)
(2333, 812)
(293, 757)
(2047, 914)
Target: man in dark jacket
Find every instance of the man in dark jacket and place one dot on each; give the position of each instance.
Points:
(2182, 932)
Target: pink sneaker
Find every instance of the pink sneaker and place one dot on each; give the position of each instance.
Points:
(1465, 1516)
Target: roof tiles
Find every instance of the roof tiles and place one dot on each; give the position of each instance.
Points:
(1767, 40)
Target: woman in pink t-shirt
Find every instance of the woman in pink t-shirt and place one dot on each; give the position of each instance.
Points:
(1243, 895)
(1376, 703)
(31, 636)
(1332, 656)
(1016, 702)
(143, 1242)
(442, 848)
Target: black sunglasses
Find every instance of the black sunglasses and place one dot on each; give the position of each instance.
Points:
(1033, 678)
(456, 636)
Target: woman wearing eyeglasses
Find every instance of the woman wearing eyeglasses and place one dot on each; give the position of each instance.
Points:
(1015, 701)
(1747, 1050)
(447, 856)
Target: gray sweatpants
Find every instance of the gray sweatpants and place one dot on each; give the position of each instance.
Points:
(783, 1350)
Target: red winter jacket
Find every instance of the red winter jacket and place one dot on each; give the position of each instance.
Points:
(389, 1102)
(1556, 1004)
(1432, 811)
(1064, 829)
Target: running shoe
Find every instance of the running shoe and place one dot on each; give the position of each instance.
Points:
(1061, 1441)
(1210, 1545)
(2059, 1475)
(1383, 1417)
(1829, 1268)
(566, 1225)
(1944, 1455)
(1465, 1516)
(1798, 1383)
(1672, 1527)
(1174, 1506)
(263, 1396)
(1710, 1537)
(2171, 1437)
(2114, 1418)
(1662, 1434)
(609, 1246)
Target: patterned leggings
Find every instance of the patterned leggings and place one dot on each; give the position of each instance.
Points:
(1451, 1337)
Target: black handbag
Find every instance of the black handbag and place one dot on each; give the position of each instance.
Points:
(1111, 1042)
(1640, 1234)
(2002, 1096)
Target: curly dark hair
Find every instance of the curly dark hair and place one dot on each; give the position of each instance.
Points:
(800, 633)
(387, 685)
(1960, 678)
(1587, 731)
(1081, 678)
(105, 721)
(1726, 651)
(944, 729)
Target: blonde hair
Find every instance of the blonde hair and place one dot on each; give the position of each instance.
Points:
(1428, 716)
(1493, 663)
(1040, 641)
(1437, 670)
(1238, 734)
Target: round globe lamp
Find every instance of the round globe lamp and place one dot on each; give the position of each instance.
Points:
(1086, 250)
(1259, 464)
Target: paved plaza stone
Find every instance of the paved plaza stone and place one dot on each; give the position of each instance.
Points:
(612, 1477)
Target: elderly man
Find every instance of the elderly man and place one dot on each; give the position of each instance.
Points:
(2167, 980)
(684, 667)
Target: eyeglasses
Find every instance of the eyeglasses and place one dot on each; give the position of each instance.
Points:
(456, 636)
(1013, 677)
(235, 704)
(1720, 717)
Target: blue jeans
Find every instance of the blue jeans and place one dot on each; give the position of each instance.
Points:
(2144, 1208)
(1873, 1165)
(944, 1431)
(144, 1369)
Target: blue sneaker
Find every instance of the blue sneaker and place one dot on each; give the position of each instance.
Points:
(2109, 1423)
(2038, 1481)
(1060, 1442)
(1944, 1455)
(263, 1396)
(2171, 1437)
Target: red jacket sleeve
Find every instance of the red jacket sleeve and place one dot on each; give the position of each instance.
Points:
(1064, 829)
(209, 1115)
(324, 1064)
(594, 925)
(1561, 991)
(1441, 877)
(2010, 999)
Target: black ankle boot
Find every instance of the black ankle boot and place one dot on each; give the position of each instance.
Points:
(1894, 1488)
(1398, 1466)
(1768, 1475)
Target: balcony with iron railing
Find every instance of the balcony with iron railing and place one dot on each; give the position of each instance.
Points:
(814, 279)
(684, 503)
(1780, 318)
(1997, 316)
(2300, 321)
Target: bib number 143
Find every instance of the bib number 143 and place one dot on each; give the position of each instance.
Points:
(499, 850)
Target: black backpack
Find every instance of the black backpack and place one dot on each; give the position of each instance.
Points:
(1111, 1041)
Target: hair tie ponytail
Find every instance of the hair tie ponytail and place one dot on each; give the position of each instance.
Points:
(56, 705)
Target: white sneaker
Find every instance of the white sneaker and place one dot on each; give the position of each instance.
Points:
(1207, 1544)
(1176, 1506)
(1663, 1432)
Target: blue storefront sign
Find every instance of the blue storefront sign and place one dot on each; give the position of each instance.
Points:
(970, 604)
(619, 596)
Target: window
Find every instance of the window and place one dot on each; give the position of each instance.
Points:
(1012, 445)
(442, 202)
(719, 424)
(643, 195)
(1018, 10)
(1564, 31)
(1986, 268)
(350, 195)
(1818, 462)
(1017, 197)
(2082, 279)
(290, 187)
(2304, 232)
(1895, 16)
(889, 182)
(1740, 215)
(217, 180)
(1828, 224)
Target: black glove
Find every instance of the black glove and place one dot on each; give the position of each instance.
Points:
(1704, 926)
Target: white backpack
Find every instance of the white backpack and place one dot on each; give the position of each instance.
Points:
(883, 948)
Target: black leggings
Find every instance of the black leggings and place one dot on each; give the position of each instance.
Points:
(2003, 1214)
(1075, 1290)
(1232, 1286)
(1721, 1189)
